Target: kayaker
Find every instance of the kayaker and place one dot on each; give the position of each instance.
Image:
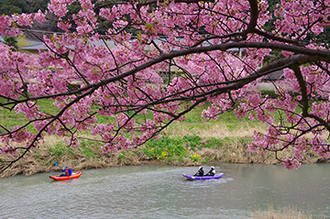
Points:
(200, 172)
(211, 172)
(67, 171)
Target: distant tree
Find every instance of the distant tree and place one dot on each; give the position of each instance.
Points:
(12, 42)
(9, 7)
(39, 5)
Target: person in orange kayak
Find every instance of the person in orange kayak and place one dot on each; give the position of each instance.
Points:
(67, 171)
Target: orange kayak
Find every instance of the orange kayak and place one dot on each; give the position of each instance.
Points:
(73, 176)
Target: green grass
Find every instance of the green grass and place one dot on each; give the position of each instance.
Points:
(60, 150)
(193, 119)
(89, 148)
(214, 143)
(229, 119)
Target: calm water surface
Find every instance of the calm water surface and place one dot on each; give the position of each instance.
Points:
(162, 192)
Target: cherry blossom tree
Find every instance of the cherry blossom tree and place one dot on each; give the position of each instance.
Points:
(198, 44)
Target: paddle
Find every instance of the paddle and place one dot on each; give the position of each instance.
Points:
(56, 164)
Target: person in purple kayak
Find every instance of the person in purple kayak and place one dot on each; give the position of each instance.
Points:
(67, 171)
(200, 172)
(211, 172)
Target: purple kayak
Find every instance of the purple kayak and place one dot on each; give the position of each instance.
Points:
(202, 177)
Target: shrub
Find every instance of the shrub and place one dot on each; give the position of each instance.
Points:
(165, 148)
(192, 141)
(195, 157)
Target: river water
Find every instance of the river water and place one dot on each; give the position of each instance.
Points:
(162, 192)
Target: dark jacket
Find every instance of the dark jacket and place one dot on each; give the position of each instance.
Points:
(211, 172)
(200, 172)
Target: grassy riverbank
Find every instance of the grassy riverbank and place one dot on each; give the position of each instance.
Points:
(172, 149)
(189, 143)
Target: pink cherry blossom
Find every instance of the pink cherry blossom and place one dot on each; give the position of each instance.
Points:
(142, 66)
